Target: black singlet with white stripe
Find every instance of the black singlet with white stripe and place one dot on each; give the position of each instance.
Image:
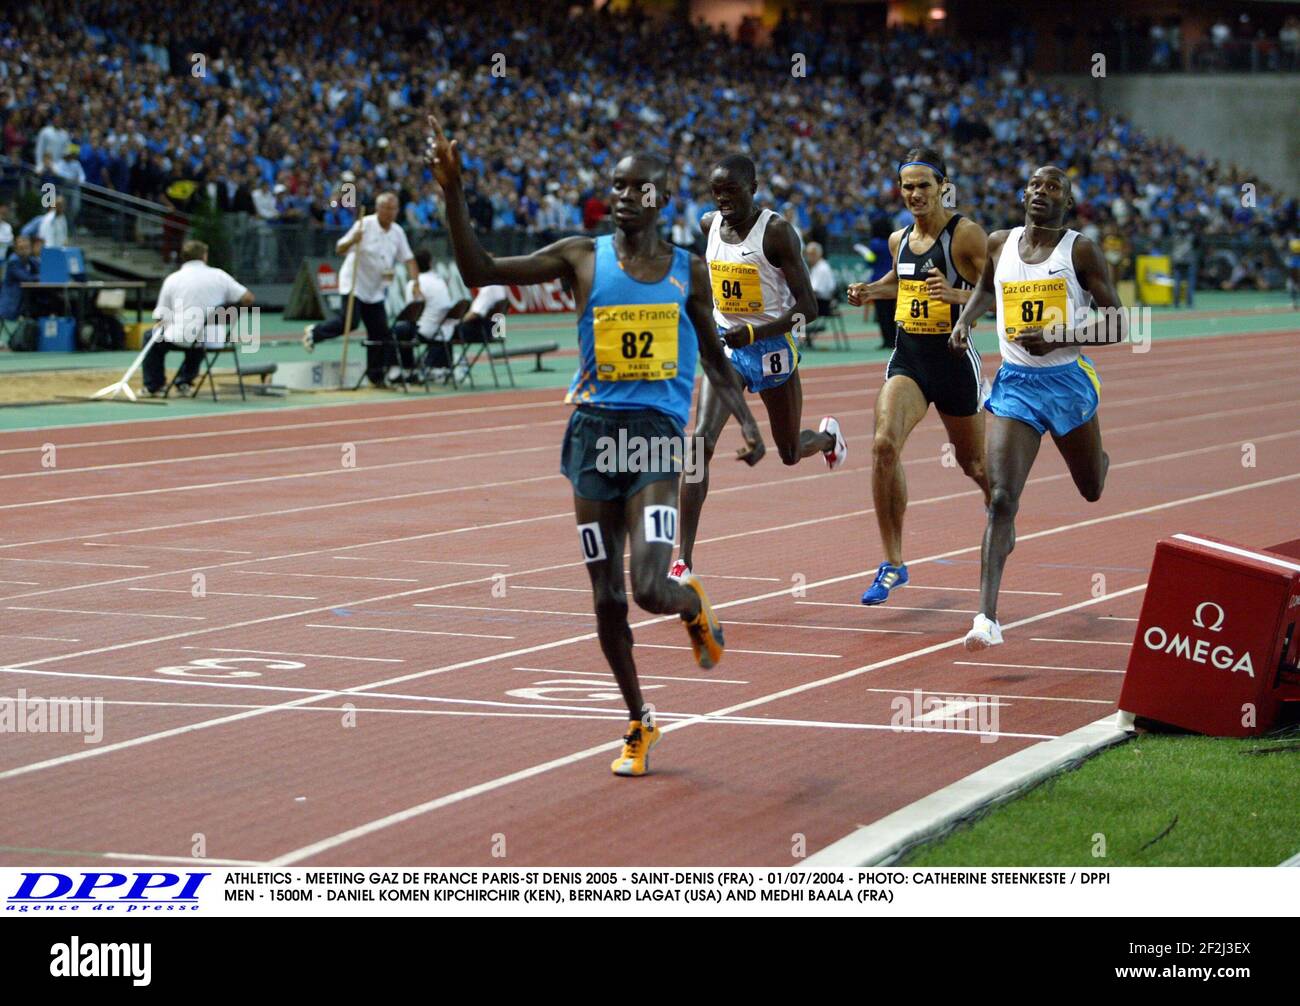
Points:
(950, 380)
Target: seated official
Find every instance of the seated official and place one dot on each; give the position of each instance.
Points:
(476, 326)
(21, 267)
(430, 328)
(823, 278)
(186, 303)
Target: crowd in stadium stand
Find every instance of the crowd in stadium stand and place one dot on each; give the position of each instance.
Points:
(271, 106)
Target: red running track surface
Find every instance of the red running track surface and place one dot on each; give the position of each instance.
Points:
(393, 660)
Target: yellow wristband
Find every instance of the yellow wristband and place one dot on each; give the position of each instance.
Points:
(751, 332)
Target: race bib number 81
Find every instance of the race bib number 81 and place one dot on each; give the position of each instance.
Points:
(636, 342)
(736, 289)
(1033, 302)
(918, 312)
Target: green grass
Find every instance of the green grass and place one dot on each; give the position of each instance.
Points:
(1237, 803)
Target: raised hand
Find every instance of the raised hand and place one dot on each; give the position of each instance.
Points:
(443, 156)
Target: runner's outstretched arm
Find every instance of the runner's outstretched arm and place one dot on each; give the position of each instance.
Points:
(477, 267)
(981, 298)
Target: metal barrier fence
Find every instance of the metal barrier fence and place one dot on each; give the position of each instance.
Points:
(271, 252)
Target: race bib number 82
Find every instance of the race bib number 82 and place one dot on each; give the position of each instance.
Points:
(635, 342)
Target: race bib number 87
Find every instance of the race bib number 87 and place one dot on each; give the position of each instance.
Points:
(1033, 302)
(635, 342)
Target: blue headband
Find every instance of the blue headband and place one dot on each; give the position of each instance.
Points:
(924, 164)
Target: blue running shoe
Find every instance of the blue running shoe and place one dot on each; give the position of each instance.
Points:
(887, 578)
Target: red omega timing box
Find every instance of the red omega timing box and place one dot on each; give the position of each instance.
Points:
(1216, 646)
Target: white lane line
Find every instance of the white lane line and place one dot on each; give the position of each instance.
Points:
(260, 479)
(490, 607)
(72, 562)
(114, 614)
(46, 639)
(327, 576)
(1039, 667)
(306, 695)
(601, 749)
(1087, 642)
(398, 817)
(911, 728)
(223, 593)
(409, 632)
(565, 515)
(263, 479)
(23, 583)
(284, 653)
(1046, 532)
(883, 841)
(760, 579)
(154, 463)
(605, 675)
(965, 493)
(1116, 618)
(976, 590)
(892, 607)
(1117, 372)
(168, 548)
(566, 590)
(431, 562)
(991, 695)
(135, 857)
(757, 653)
(825, 628)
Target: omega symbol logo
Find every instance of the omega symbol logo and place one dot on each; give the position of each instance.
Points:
(1216, 624)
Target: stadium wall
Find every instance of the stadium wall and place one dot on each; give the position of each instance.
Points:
(1247, 120)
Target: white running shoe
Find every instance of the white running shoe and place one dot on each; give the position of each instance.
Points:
(985, 632)
(679, 571)
(309, 338)
(836, 456)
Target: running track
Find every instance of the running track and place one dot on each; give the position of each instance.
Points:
(432, 595)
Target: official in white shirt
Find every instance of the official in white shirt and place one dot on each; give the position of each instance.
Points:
(822, 276)
(431, 326)
(53, 228)
(375, 245)
(186, 303)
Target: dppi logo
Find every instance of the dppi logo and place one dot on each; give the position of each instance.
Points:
(139, 892)
(1209, 616)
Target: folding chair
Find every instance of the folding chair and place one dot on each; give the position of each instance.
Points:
(835, 322)
(211, 354)
(472, 350)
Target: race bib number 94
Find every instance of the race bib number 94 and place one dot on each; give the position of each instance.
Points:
(918, 312)
(1033, 302)
(636, 342)
(736, 289)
